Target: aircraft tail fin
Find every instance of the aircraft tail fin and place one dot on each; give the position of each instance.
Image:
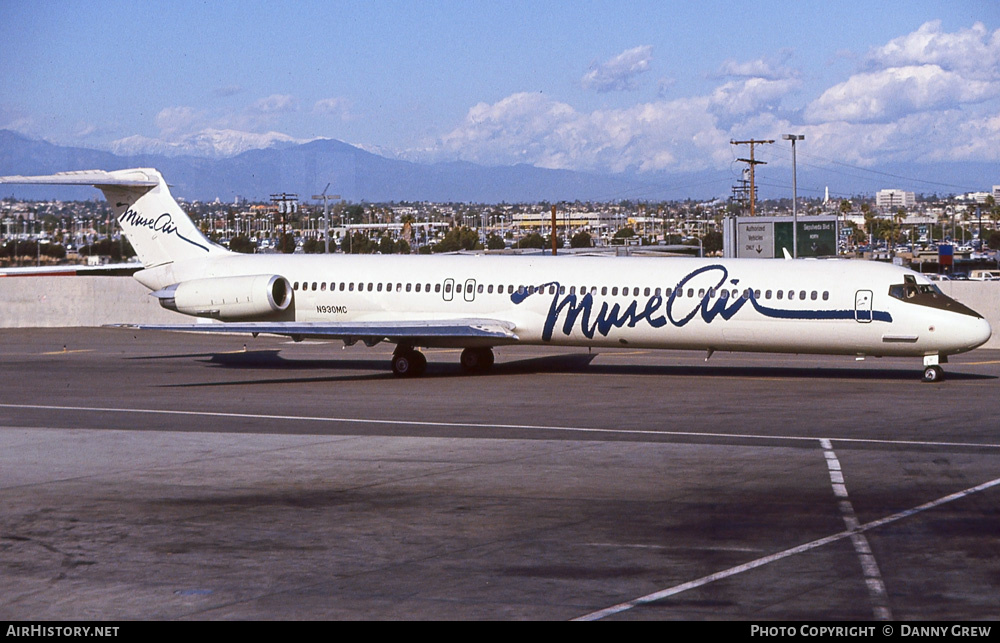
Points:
(156, 226)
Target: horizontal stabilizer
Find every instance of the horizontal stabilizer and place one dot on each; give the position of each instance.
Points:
(97, 178)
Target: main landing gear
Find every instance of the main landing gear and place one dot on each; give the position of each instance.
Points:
(477, 360)
(409, 362)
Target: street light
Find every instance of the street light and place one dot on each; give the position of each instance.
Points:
(795, 194)
(326, 215)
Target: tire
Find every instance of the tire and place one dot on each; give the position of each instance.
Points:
(933, 374)
(477, 360)
(402, 365)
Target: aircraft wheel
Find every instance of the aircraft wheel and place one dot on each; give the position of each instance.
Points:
(419, 364)
(933, 374)
(476, 360)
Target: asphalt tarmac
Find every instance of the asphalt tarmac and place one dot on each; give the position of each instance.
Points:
(178, 476)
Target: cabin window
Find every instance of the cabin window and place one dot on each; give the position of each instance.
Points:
(780, 293)
(562, 290)
(510, 289)
(791, 294)
(552, 290)
(767, 294)
(756, 294)
(656, 291)
(437, 288)
(723, 294)
(408, 287)
(701, 292)
(614, 291)
(295, 286)
(322, 287)
(447, 288)
(399, 287)
(645, 293)
(802, 294)
(350, 287)
(604, 290)
(480, 289)
(813, 295)
(489, 289)
(826, 295)
(342, 286)
(379, 288)
(690, 292)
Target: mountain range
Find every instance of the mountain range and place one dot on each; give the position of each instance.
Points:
(358, 175)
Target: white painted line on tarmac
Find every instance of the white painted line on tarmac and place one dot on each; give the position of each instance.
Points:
(760, 562)
(486, 425)
(869, 567)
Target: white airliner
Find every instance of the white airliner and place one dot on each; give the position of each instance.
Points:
(836, 307)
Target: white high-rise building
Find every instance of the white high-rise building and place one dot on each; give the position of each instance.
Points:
(891, 199)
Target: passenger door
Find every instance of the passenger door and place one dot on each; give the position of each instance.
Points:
(863, 306)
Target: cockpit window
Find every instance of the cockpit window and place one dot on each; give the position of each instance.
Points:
(927, 295)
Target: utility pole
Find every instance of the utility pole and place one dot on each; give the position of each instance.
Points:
(326, 215)
(287, 204)
(752, 163)
(553, 230)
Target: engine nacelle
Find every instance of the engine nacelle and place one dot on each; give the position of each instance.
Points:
(228, 298)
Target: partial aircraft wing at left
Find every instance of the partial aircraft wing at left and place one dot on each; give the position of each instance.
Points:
(425, 333)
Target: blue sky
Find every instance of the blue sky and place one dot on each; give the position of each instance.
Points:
(598, 86)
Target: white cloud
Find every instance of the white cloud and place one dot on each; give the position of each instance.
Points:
(337, 107)
(766, 68)
(530, 128)
(752, 95)
(974, 52)
(275, 104)
(619, 73)
(176, 121)
(926, 70)
(886, 95)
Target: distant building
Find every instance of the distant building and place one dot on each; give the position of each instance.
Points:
(976, 197)
(996, 193)
(892, 199)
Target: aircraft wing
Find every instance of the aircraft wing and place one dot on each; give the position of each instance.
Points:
(442, 332)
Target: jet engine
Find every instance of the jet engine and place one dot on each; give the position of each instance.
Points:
(228, 298)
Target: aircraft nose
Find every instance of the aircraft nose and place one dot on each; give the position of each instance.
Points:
(980, 332)
(972, 332)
